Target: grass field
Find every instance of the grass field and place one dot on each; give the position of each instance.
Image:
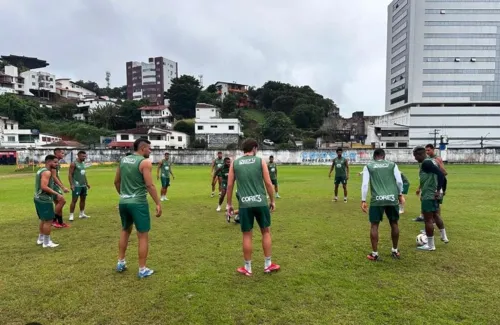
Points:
(321, 246)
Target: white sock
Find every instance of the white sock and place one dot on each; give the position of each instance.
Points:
(430, 242)
(142, 269)
(248, 266)
(267, 262)
(122, 261)
(374, 253)
(443, 234)
(394, 250)
(40, 237)
(82, 213)
(345, 197)
(71, 215)
(336, 198)
(46, 239)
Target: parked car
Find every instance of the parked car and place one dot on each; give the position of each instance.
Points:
(268, 142)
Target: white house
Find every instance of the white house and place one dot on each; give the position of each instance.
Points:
(67, 88)
(39, 83)
(158, 115)
(13, 137)
(89, 105)
(160, 138)
(217, 132)
(226, 88)
(10, 81)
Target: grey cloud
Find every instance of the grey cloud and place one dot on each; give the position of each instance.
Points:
(337, 47)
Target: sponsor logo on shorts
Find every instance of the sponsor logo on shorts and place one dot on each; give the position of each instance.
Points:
(254, 198)
(247, 161)
(391, 197)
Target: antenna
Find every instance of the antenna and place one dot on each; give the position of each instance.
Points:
(108, 77)
(200, 77)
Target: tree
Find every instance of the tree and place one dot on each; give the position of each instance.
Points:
(309, 143)
(211, 89)
(185, 126)
(208, 98)
(105, 116)
(284, 103)
(277, 127)
(21, 110)
(229, 105)
(308, 116)
(89, 85)
(129, 114)
(183, 96)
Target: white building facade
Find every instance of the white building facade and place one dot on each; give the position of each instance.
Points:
(443, 71)
(217, 132)
(159, 116)
(67, 88)
(13, 137)
(89, 105)
(39, 83)
(159, 138)
(10, 81)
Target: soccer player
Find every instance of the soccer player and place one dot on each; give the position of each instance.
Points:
(430, 152)
(386, 187)
(250, 172)
(406, 187)
(216, 164)
(224, 172)
(166, 170)
(431, 184)
(133, 181)
(79, 185)
(273, 173)
(59, 188)
(341, 166)
(44, 201)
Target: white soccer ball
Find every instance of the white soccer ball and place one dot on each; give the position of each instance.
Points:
(421, 239)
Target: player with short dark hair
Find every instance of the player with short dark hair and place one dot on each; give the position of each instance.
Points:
(216, 165)
(59, 188)
(133, 182)
(44, 201)
(431, 185)
(166, 170)
(224, 172)
(79, 185)
(252, 176)
(341, 166)
(386, 186)
(273, 173)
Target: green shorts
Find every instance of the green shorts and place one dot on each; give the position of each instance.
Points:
(376, 213)
(429, 206)
(341, 180)
(165, 182)
(406, 188)
(45, 210)
(58, 190)
(79, 192)
(247, 216)
(223, 185)
(275, 182)
(135, 214)
(440, 201)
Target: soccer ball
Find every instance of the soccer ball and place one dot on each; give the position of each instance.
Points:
(421, 239)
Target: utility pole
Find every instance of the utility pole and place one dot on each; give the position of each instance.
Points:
(482, 138)
(435, 133)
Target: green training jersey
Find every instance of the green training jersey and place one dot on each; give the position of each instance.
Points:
(58, 170)
(405, 179)
(132, 185)
(273, 170)
(224, 173)
(40, 195)
(248, 174)
(383, 186)
(340, 167)
(219, 163)
(79, 179)
(428, 182)
(165, 168)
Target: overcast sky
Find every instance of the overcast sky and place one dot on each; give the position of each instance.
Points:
(335, 46)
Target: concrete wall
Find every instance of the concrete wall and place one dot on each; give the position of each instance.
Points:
(306, 157)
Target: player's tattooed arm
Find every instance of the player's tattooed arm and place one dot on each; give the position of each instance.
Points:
(429, 167)
(118, 180)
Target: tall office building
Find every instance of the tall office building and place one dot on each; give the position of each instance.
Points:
(443, 72)
(149, 80)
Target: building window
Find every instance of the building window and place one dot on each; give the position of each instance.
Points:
(11, 139)
(124, 137)
(44, 139)
(402, 145)
(179, 139)
(213, 126)
(200, 127)
(390, 145)
(33, 83)
(231, 127)
(33, 76)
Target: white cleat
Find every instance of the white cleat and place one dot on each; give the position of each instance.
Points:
(39, 242)
(162, 199)
(84, 216)
(345, 200)
(445, 240)
(218, 209)
(212, 195)
(426, 247)
(335, 199)
(51, 244)
(71, 218)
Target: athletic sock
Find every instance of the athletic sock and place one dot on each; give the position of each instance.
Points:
(40, 237)
(46, 239)
(443, 234)
(82, 213)
(267, 262)
(121, 261)
(374, 253)
(142, 269)
(430, 242)
(71, 215)
(248, 266)
(59, 219)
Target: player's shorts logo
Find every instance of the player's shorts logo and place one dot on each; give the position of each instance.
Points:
(391, 197)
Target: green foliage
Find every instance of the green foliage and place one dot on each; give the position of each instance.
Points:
(308, 116)
(183, 96)
(116, 92)
(129, 113)
(284, 103)
(185, 126)
(79, 131)
(208, 98)
(309, 143)
(211, 89)
(105, 117)
(229, 105)
(199, 144)
(285, 146)
(232, 146)
(277, 127)
(21, 110)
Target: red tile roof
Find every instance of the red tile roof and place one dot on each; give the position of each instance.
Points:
(121, 144)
